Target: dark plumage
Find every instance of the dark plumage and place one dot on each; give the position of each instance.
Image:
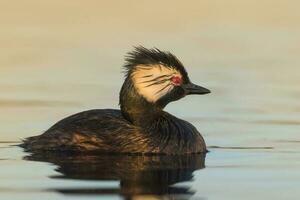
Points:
(153, 79)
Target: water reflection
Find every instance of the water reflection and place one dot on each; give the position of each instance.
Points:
(138, 175)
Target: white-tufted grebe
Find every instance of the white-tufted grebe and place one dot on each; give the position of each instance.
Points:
(153, 79)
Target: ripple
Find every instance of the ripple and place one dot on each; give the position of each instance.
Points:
(289, 141)
(9, 142)
(237, 120)
(220, 147)
(278, 122)
(35, 103)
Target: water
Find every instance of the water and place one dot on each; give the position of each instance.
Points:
(61, 58)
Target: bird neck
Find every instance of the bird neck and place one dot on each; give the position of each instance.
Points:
(135, 108)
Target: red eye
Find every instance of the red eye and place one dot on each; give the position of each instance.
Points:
(176, 80)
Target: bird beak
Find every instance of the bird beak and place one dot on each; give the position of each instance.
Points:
(192, 88)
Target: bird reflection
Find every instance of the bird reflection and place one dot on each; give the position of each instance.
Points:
(138, 175)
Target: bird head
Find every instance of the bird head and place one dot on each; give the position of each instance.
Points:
(158, 77)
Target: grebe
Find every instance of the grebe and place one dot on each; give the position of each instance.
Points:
(154, 78)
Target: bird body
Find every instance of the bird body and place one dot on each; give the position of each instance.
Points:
(108, 131)
(153, 79)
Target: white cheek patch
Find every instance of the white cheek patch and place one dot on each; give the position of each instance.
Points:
(153, 81)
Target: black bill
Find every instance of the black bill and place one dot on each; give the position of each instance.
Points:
(192, 88)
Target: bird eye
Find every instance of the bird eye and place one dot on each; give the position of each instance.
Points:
(176, 80)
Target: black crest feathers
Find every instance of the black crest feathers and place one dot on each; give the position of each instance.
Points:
(143, 56)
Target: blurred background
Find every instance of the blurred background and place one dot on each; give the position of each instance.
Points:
(60, 57)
